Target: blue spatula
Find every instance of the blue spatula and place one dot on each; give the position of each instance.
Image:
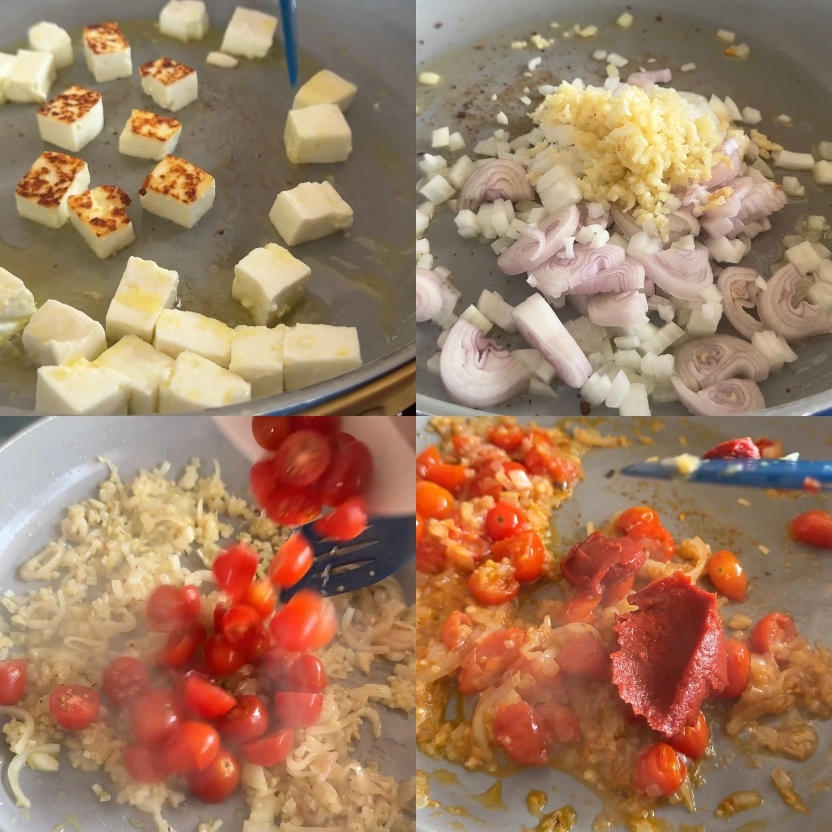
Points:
(289, 21)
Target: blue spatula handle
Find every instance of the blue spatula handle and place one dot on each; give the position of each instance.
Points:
(289, 20)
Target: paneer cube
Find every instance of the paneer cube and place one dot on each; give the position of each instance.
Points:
(100, 217)
(257, 357)
(170, 84)
(178, 191)
(144, 292)
(17, 303)
(249, 33)
(196, 384)
(184, 20)
(44, 191)
(49, 37)
(107, 52)
(178, 331)
(308, 212)
(6, 62)
(325, 87)
(315, 352)
(73, 119)
(29, 77)
(82, 389)
(318, 133)
(143, 365)
(268, 282)
(148, 136)
(60, 334)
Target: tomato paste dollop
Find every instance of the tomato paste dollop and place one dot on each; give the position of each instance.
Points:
(671, 654)
(600, 562)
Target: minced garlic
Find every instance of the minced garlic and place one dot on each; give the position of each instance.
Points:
(636, 146)
(764, 143)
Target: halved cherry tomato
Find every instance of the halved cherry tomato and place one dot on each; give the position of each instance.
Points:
(144, 765)
(191, 747)
(289, 506)
(560, 723)
(220, 611)
(507, 437)
(166, 609)
(307, 675)
(485, 665)
(549, 464)
(637, 514)
(744, 448)
(739, 668)
(813, 527)
(433, 501)
(322, 424)
(181, 646)
(431, 555)
(154, 717)
(256, 643)
(218, 780)
(12, 681)
(504, 520)
(493, 583)
(74, 706)
(302, 458)
(206, 700)
(275, 665)
(428, 457)
(192, 599)
(659, 770)
(297, 710)
(270, 431)
(262, 481)
(221, 658)
(234, 570)
(420, 530)
(349, 473)
(346, 522)
(237, 622)
(585, 656)
(260, 597)
(452, 477)
(773, 633)
(339, 440)
(246, 721)
(271, 750)
(292, 561)
(727, 575)
(517, 729)
(526, 553)
(579, 608)
(692, 740)
(307, 622)
(655, 539)
(457, 628)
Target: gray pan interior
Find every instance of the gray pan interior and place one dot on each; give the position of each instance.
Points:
(788, 72)
(52, 465)
(235, 132)
(792, 578)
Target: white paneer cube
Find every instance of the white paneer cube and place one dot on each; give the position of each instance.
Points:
(249, 33)
(308, 212)
(143, 365)
(148, 136)
(17, 303)
(43, 193)
(178, 191)
(82, 389)
(268, 282)
(178, 331)
(107, 52)
(184, 20)
(170, 84)
(315, 352)
(318, 133)
(29, 77)
(325, 87)
(6, 62)
(59, 334)
(221, 60)
(144, 292)
(196, 384)
(73, 119)
(257, 357)
(49, 37)
(100, 217)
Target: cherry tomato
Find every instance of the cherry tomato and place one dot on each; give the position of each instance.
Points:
(431, 556)
(727, 575)
(234, 570)
(349, 473)
(507, 437)
(547, 463)
(218, 780)
(221, 658)
(773, 633)
(270, 431)
(307, 675)
(260, 597)
(289, 506)
(452, 477)
(504, 520)
(344, 523)
(655, 539)
(297, 710)
(275, 665)
(579, 608)
(182, 646)
(124, 679)
(585, 656)
(456, 629)
(302, 458)
(154, 717)
(420, 530)
(246, 721)
(734, 449)
(560, 723)
(659, 770)
(192, 598)
(526, 553)
(307, 622)
(256, 643)
(206, 700)
(692, 740)
(517, 730)
(338, 440)
(322, 424)
(292, 561)
(637, 514)
(739, 668)
(271, 750)
(813, 527)
(74, 706)
(262, 481)
(220, 611)
(430, 456)
(237, 622)
(489, 660)
(12, 681)
(144, 765)
(433, 501)
(493, 583)
(191, 747)
(166, 609)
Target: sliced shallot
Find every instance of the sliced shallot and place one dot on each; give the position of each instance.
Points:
(714, 358)
(560, 275)
(680, 273)
(648, 79)
(622, 277)
(428, 294)
(779, 312)
(534, 249)
(725, 171)
(682, 223)
(496, 179)
(732, 397)
(739, 292)
(618, 309)
(624, 221)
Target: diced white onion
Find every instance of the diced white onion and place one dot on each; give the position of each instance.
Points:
(789, 160)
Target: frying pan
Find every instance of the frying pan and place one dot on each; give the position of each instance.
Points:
(234, 131)
(53, 464)
(788, 72)
(791, 578)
